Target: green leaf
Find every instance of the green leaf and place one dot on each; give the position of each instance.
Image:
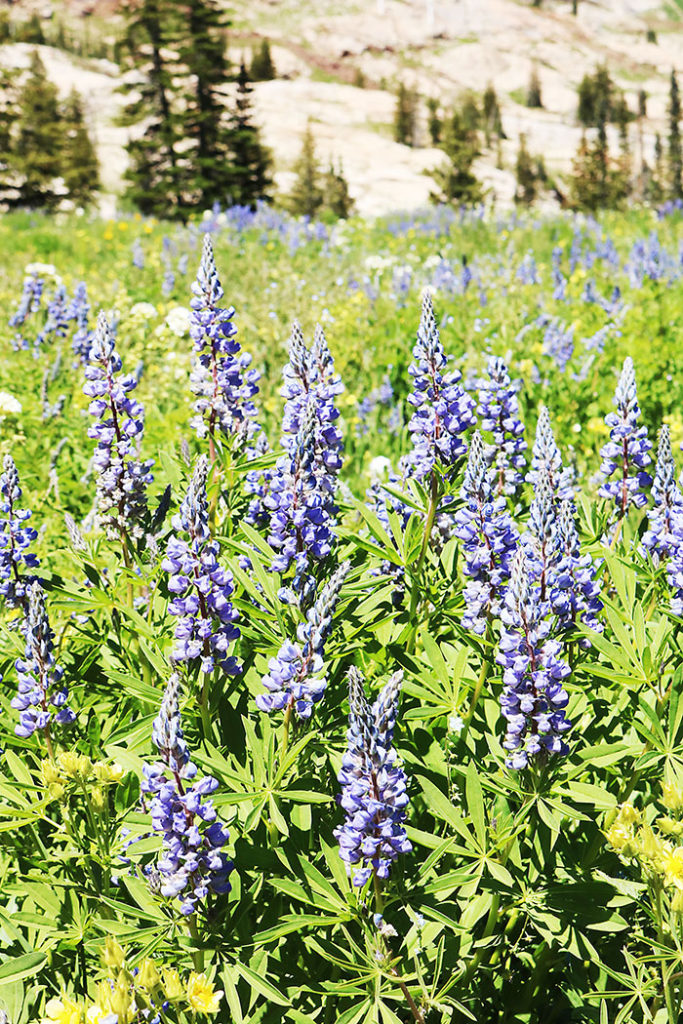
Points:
(23, 966)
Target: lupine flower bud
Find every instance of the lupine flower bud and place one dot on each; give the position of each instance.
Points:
(443, 410)
(192, 864)
(201, 587)
(628, 450)
(374, 794)
(122, 478)
(296, 675)
(489, 539)
(220, 377)
(15, 538)
(662, 537)
(546, 454)
(499, 412)
(42, 696)
(533, 699)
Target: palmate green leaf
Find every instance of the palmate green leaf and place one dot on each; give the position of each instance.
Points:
(18, 967)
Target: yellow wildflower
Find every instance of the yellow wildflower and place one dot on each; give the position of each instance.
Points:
(672, 796)
(173, 986)
(62, 1011)
(673, 867)
(201, 994)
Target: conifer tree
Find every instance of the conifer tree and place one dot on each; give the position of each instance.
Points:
(490, 108)
(80, 169)
(306, 197)
(675, 152)
(35, 155)
(405, 115)
(597, 182)
(251, 160)
(533, 93)
(434, 121)
(455, 182)
(8, 115)
(336, 196)
(262, 67)
(525, 175)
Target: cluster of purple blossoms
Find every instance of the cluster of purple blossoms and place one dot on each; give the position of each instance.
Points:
(201, 587)
(546, 454)
(489, 539)
(443, 409)
(31, 301)
(663, 536)
(628, 450)
(220, 377)
(15, 538)
(122, 478)
(575, 596)
(541, 541)
(41, 696)
(192, 863)
(374, 794)
(57, 321)
(79, 312)
(499, 412)
(533, 699)
(558, 343)
(295, 678)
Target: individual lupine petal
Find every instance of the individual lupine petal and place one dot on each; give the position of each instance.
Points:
(628, 450)
(192, 863)
(660, 538)
(122, 479)
(443, 409)
(499, 413)
(533, 699)
(575, 591)
(546, 454)
(374, 794)
(489, 539)
(15, 538)
(42, 696)
(201, 587)
(295, 678)
(220, 378)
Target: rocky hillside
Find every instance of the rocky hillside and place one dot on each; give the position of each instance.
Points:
(323, 50)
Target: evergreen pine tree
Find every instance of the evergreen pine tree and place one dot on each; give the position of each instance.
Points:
(434, 122)
(493, 122)
(525, 175)
(675, 153)
(153, 173)
(405, 116)
(8, 115)
(533, 93)
(251, 160)
(306, 197)
(262, 67)
(597, 183)
(35, 156)
(336, 196)
(454, 179)
(80, 169)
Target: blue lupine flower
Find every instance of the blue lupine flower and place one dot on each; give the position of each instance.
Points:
(499, 412)
(192, 863)
(15, 538)
(138, 256)
(295, 678)
(558, 343)
(201, 587)
(79, 310)
(31, 300)
(559, 280)
(533, 699)
(42, 696)
(443, 410)
(546, 454)
(57, 322)
(628, 450)
(575, 592)
(122, 478)
(661, 539)
(167, 250)
(542, 539)
(489, 539)
(374, 794)
(220, 377)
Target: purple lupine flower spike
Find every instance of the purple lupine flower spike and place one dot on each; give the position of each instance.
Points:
(201, 587)
(15, 538)
(443, 409)
(661, 538)
(42, 696)
(489, 539)
(628, 450)
(575, 595)
(533, 699)
(79, 311)
(122, 478)
(499, 412)
(220, 377)
(374, 794)
(192, 863)
(295, 676)
(542, 542)
(546, 454)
